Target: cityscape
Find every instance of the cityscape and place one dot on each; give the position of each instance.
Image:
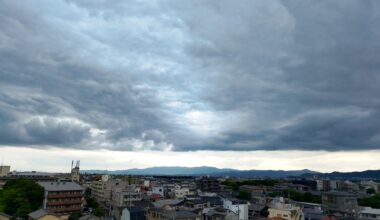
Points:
(95, 195)
(189, 110)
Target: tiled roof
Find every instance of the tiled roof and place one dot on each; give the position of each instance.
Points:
(38, 213)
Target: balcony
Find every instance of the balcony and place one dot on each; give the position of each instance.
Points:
(64, 195)
(68, 202)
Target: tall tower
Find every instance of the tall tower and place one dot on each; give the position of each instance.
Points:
(75, 176)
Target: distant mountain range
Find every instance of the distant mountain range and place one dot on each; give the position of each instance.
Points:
(204, 170)
(367, 174)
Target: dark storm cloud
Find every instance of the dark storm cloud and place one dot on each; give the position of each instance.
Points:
(200, 75)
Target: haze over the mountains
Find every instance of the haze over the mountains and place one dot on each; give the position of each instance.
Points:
(204, 170)
(213, 171)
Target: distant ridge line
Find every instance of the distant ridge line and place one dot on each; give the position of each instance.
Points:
(203, 170)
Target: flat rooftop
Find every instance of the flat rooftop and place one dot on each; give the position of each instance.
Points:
(61, 186)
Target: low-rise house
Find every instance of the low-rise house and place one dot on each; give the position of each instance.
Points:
(310, 211)
(260, 200)
(215, 201)
(4, 216)
(196, 203)
(133, 213)
(89, 217)
(42, 214)
(312, 214)
(369, 213)
(256, 211)
(143, 204)
(280, 209)
(219, 214)
(162, 214)
(167, 203)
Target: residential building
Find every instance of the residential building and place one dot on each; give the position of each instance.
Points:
(75, 176)
(208, 184)
(62, 197)
(310, 211)
(97, 190)
(131, 180)
(347, 186)
(4, 170)
(290, 186)
(158, 190)
(256, 190)
(237, 206)
(181, 193)
(125, 198)
(338, 201)
(312, 184)
(102, 189)
(371, 185)
(323, 185)
(35, 176)
(280, 209)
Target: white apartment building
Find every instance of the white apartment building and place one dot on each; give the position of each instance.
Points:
(236, 206)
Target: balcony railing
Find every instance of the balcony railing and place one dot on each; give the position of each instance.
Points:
(73, 195)
(68, 202)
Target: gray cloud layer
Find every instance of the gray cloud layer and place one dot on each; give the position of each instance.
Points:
(199, 75)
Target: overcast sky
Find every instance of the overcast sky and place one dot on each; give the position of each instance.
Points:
(246, 84)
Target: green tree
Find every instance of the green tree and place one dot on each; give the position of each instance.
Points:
(99, 212)
(370, 191)
(264, 212)
(75, 215)
(244, 195)
(371, 201)
(20, 197)
(298, 196)
(92, 203)
(236, 184)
